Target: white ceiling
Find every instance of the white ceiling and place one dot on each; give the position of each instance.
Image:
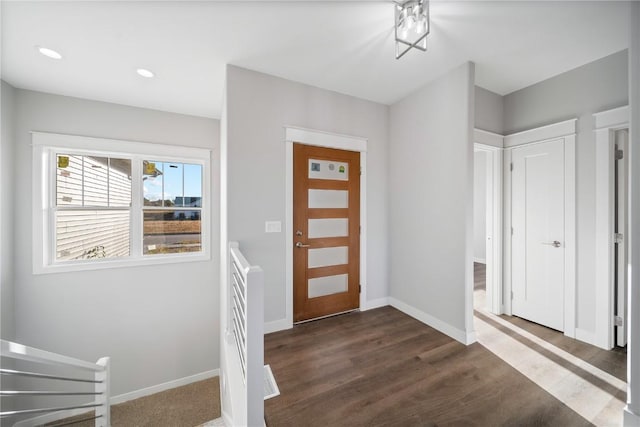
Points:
(342, 46)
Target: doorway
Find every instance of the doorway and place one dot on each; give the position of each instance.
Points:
(326, 223)
(540, 226)
(317, 138)
(480, 235)
(612, 239)
(620, 224)
(487, 241)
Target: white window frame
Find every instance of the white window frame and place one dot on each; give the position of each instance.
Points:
(45, 148)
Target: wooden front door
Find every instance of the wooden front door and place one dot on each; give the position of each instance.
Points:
(326, 231)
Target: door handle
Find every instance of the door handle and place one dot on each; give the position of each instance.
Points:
(300, 245)
(555, 244)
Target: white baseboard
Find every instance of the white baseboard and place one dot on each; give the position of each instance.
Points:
(121, 398)
(480, 260)
(283, 324)
(277, 325)
(470, 338)
(465, 338)
(376, 303)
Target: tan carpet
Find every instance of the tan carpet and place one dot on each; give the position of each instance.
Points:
(186, 406)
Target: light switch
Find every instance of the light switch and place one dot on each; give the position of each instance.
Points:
(272, 226)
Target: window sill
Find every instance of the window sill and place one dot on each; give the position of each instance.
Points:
(66, 267)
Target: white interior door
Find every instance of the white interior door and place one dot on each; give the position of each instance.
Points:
(538, 246)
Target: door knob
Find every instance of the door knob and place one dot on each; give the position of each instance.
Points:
(555, 244)
(300, 245)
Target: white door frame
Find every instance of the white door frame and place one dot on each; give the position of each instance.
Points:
(328, 140)
(567, 132)
(606, 124)
(491, 144)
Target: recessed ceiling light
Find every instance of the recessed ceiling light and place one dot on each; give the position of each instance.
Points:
(49, 53)
(145, 73)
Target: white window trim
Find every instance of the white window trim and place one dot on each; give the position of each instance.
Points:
(46, 144)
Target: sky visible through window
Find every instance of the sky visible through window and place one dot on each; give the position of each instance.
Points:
(175, 177)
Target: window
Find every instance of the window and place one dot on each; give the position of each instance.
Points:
(93, 207)
(104, 203)
(172, 207)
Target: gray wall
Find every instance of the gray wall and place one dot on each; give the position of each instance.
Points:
(259, 107)
(431, 196)
(489, 111)
(598, 86)
(7, 197)
(480, 205)
(158, 323)
(633, 350)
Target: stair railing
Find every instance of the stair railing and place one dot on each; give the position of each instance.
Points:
(100, 381)
(246, 306)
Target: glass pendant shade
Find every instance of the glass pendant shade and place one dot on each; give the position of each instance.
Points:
(411, 26)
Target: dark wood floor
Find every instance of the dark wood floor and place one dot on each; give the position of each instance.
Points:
(384, 368)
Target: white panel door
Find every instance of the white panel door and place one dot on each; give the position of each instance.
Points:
(538, 248)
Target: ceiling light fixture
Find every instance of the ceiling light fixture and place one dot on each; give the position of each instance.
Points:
(49, 53)
(411, 26)
(145, 73)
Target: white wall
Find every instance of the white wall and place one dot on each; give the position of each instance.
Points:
(259, 107)
(598, 86)
(158, 323)
(431, 196)
(7, 197)
(632, 411)
(480, 206)
(489, 111)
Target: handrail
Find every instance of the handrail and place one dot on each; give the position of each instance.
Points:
(47, 376)
(38, 411)
(245, 296)
(101, 387)
(23, 352)
(46, 393)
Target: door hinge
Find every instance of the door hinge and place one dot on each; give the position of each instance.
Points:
(511, 167)
(618, 238)
(512, 231)
(619, 154)
(618, 321)
(512, 295)
(359, 289)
